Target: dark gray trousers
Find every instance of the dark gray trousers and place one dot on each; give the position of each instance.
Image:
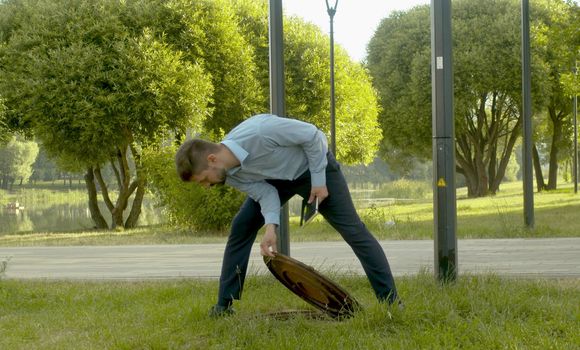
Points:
(338, 209)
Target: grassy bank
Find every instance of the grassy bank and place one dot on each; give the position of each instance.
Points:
(499, 216)
(483, 312)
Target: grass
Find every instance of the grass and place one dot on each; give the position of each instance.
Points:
(43, 195)
(476, 312)
(142, 235)
(499, 216)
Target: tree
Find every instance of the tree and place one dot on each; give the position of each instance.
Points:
(557, 34)
(99, 83)
(95, 90)
(307, 92)
(16, 159)
(44, 168)
(209, 35)
(487, 81)
(307, 74)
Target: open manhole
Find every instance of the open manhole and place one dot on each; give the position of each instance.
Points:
(312, 287)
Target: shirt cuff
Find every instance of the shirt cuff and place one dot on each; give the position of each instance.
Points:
(318, 179)
(272, 218)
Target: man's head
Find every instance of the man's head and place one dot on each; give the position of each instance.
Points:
(196, 160)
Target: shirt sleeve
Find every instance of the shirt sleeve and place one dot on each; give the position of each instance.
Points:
(291, 132)
(265, 194)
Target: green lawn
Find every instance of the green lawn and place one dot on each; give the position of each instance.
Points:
(476, 312)
(500, 216)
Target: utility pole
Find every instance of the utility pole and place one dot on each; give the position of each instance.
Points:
(527, 118)
(574, 112)
(277, 101)
(444, 195)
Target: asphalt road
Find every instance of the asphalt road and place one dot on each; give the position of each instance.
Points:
(553, 257)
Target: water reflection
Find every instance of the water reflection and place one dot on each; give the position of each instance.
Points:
(75, 216)
(65, 217)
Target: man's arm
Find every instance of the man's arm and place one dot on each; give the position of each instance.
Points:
(265, 194)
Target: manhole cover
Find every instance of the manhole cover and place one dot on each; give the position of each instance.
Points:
(312, 287)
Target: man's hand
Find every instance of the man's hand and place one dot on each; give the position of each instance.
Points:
(318, 192)
(269, 241)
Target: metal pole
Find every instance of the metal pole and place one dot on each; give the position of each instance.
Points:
(527, 118)
(444, 196)
(277, 103)
(574, 112)
(331, 12)
(574, 106)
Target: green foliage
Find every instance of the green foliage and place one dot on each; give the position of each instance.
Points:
(189, 205)
(308, 87)
(95, 80)
(209, 35)
(558, 37)
(307, 67)
(16, 159)
(398, 61)
(487, 80)
(44, 168)
(96, 87)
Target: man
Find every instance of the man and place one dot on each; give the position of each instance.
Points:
(272, 159)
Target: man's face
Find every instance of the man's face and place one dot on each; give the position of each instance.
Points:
(211, 176)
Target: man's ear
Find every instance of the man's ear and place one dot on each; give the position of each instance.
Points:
(211, 158)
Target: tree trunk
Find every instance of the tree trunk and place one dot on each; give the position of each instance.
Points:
(556, 140)
(103, 188)
(137, 204)
(482, 178)
(96, 215)
(540, 184)
(140, 182)
(505, 157)
(471, 181)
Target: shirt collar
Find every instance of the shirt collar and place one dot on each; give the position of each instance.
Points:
(238, 152)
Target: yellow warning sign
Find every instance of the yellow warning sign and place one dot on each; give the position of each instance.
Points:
(441, 183)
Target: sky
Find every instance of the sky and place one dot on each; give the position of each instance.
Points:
(355, 21)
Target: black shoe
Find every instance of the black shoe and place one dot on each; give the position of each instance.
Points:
(221, 311)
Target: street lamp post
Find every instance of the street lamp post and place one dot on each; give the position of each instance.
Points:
(574, 111)
(277, 100)
(527, 172)
(331, 12)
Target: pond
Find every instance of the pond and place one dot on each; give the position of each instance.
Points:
(65, 217)
(54, 211)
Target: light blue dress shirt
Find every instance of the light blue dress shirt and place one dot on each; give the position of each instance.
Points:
(271, 147)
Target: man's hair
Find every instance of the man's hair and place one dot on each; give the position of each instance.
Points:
(191, 157)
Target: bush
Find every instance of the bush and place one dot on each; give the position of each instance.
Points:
(189, 205)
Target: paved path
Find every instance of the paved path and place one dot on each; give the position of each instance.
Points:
(557, 257)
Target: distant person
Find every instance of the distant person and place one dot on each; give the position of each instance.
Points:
(272, 159)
